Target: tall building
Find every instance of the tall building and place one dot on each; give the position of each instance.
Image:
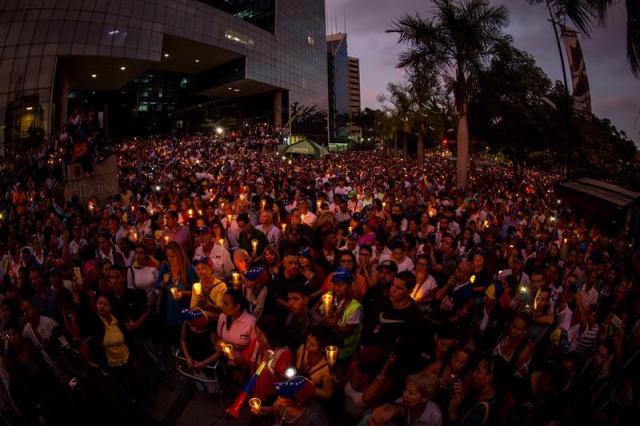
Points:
(338, 80)
(354, 86)
(168, 64)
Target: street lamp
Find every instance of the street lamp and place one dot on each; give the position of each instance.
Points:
(219, 130)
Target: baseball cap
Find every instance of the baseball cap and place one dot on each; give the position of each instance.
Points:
(342, 275)
(390, 265)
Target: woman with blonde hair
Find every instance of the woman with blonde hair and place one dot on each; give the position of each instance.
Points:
(175, 279)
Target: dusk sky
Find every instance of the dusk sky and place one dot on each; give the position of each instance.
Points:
(615, 93)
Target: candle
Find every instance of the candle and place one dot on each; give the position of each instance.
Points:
(384, 204)
(197, 287)
(190, 211)
(523, 289)
(318, 204)
(174, 292)
(221, 206)
(332, 354)
(235, 278)
(229, 217)
(486, 223)
(255, 404)
(472, 279)
(350, 229)
(263, 204)
(241, 197)
(327, 299)
(284, 227)
(135, 236)
(227, 348)
(91, 207)
(254, 245)
(301, 218)
(200, 212)
(221, 241)
(166, 239)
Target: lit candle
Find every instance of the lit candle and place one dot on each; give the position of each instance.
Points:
(197, 287)
(166, 239)
(263, 204)
(241, 197)
(255, 404)
(174, 292)
(221, 206)
(91, 207)
(327, 299)
(523, 289)
(301, 218)
(135, 236)
(350, 229)
(472, 279)
(229, 217)
(486, 223)
(221, 241)
(254, 245)
(284, 227)
(235, 278)
(384, 204)
(332, 354)
(318, 204)
(227, 348)
(200, 212)
(190, 212)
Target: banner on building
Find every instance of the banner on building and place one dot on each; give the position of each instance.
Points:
(581, 93)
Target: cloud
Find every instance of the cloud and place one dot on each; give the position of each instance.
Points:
(615, 92)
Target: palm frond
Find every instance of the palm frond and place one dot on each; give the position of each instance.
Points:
(633, 35)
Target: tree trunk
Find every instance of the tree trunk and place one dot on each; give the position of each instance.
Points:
(420, 150)
(462, 146)
(395, 141)
(405, 150)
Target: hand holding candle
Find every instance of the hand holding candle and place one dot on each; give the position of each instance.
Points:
(235, 278)
(254, 246)
(197, 288)
(255, 404)
(332, 355)
(327, 300)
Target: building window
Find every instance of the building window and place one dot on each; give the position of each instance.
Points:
(239, 38)
(310, 41)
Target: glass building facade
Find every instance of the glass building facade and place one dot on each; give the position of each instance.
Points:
(53, 49)
(338, 81)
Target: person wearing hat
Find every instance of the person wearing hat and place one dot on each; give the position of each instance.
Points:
(344, 314)
(295, 404)
(197, 344)
(256, 290)
(212, 289)
(381, 280)
(220, 257)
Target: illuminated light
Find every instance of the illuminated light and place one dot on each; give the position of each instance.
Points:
(263, 204)
(523, 289)
(219, 130)
(255, 403)
(235, 278)
(350, 229)
(284, 227)
(332, 354)
(29, 108)
(174, 292)
(254, 245)
(197, 287)
(197, 61)
(123, 68)
(166, 55)
(221, 241)
(327, 300)
(114, 32)
(236, 90)
(158, 188)
(94, 75)
(290, 373)
(472, 279)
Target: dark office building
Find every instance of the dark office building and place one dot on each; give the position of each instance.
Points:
(157, 65)
(338, 69)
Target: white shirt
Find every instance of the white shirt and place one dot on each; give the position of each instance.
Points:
(405, 265)
(222, 263)
(273, 234)
(142, 278)
(75, 246)
(309, 218)
(431, 416)
(241, 333)
(42, 334)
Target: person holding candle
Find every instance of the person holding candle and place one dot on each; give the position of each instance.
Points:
(220, 257)
(176, 277)
(212, 289)
(271, 232)
(311, 361)
(236, 327)
(345, 315)
(249, 238)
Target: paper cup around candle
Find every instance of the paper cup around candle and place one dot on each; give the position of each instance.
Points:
(284, 227)
(254, 245)
(332, 354)
(327, 299)
(197, 287)
(174, 291)
(221, 241)
(235, 278)
(255, 403)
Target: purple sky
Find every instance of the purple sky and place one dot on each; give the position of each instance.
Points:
(615, 93)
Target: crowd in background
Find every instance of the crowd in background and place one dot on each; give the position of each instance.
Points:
(493, 305)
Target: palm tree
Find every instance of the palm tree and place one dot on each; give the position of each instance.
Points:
(452, 45)
(583, 12)
(400, 105)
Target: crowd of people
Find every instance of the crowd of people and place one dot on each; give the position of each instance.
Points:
(362, 290)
